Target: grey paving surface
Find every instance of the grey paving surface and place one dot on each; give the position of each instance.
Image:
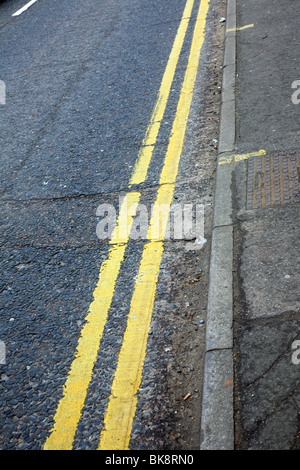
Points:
(257, 200)
(267, 238)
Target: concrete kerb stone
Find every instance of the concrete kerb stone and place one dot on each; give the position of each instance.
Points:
(219, 323)
(227, 127)
(228, 89)
(217, 423)
(222, 196)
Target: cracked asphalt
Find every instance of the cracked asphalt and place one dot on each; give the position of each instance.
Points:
(81, 82)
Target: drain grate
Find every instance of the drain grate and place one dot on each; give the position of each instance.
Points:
(273, 180)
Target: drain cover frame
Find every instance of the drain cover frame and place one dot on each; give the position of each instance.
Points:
(273, 180)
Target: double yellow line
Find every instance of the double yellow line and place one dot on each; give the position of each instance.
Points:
(122, 403)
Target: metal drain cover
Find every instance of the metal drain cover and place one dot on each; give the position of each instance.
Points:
(273, 180)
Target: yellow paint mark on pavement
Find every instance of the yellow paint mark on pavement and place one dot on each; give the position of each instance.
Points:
(240, 29)
(238, 158)
(122, 404)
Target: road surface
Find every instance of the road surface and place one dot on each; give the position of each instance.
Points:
(107, 104)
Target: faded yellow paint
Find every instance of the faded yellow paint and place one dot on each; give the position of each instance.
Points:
(239, 158)
(241, 28)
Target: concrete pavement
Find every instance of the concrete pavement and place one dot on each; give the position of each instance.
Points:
(251, 394)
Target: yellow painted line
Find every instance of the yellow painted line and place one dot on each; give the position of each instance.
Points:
(123, 400)
(122, 404)
(240, 29)
(69, 409)
(238, 158)
(146, 151)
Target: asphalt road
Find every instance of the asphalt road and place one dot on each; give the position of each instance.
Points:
(82, 80)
